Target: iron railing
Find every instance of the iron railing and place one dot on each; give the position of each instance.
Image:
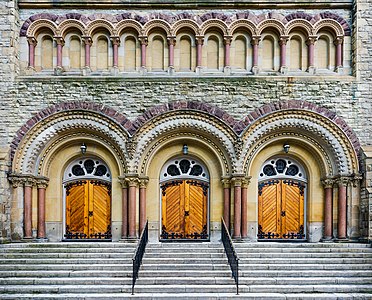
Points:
(138, 255)
(232, 257)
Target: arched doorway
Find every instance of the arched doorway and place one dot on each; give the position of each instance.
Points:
(281, 200)
(184, 184)
(87, 185)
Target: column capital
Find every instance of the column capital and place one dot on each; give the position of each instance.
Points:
(115, 40)
(356, 178)
(199, 39)
(283, 40)
(311, 40)
(226, 181)
(59, 40)
(342, 180)
(255, 40)
(328, 182)
(339, 40)
(42, 182)
(143, 40)
(246, 181)
(21, 179)
(227, 39)
(31, 41)
(143, 181)
(171, 40)
(87, 40)
(237, 179)
(131, 180)
(123, 182)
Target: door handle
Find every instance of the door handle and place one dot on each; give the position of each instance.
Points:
(90, 214)
(283, 213)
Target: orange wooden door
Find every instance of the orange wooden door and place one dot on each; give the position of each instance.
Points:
(184, 209)
(88, 208)
(281, 209)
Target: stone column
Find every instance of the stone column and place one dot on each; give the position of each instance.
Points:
(227, 41)
(311, 53)
(17, 206)
(144, 42)
(60, 43)
(32, 42)
(132, 216)
(142, 203)
(171, 44)
(237, 206)
(199, 53)
(42, 184)
(328, 209)
(28, 184)
(226, 201)
(342, 208)
(255, 42)
(115, 40)
(339, 65)
(283, 54)
(245, 183)
(124, 198)
(88, 43)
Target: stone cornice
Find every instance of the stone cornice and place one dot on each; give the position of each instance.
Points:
(189, 4)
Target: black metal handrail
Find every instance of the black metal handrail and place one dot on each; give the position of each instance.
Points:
(232, 257)
(138, 255)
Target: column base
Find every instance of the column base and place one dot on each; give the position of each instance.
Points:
(341, 240)
(283, 70)
(199, 70)
(327, 240)
(58, 71)
(255, 70)
(339, 70)
(42, 240)
(143, 71)
(311, 70)
(28, 239)
(227, 70)
(171, 71)
(5, 240)
(30, 71)
(128, 240)
(86, 71)
(114, 71)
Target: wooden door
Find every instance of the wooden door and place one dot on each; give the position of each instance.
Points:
(88, 210)
(281, 209)
(184, 210)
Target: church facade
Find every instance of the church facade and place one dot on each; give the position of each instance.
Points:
(183, 113)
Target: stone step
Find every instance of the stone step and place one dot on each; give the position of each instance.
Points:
(314, 266)
(74, 261)
(65, 255)
(194, 296)
(42, 267)
(65, 250)
(291, 244)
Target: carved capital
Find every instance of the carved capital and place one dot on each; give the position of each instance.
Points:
(143, 181)
(226, 182)
(227, 39)
(16, 180)
(237, 179)
(143, 40)
(343, 180)
(246, 181)
(283, 40)
(255, 40)
(171, 40)
(59, 40)
(88, 40)
(356, 178)
(115, 40)
(31, 41)
(123, 182)
(199, 39)
(339, 40)
(328, 182)
(311, 40)
(131, 179)
(42, 182)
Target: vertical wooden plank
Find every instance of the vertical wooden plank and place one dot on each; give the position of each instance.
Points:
(186, 207)
(302, 207)
(164, 208)
(282, 206)
(88, 206)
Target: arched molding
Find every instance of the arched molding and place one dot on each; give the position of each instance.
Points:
(186, 24)
(100, 23)
(214, 23)
(203, 141)
(271, 24)
(301, 25)
(333, 25)
(190, 122)
(156, 25)
(330, 137)
(29, 152)
(127, 24)
(39, 25)
(243, 24)
(74, 25)
(99, 109)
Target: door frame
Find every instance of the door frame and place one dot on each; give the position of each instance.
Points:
(184, 177)
(303, 178)
(67, 180)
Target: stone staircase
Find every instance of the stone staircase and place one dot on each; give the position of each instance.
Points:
(185, 271)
